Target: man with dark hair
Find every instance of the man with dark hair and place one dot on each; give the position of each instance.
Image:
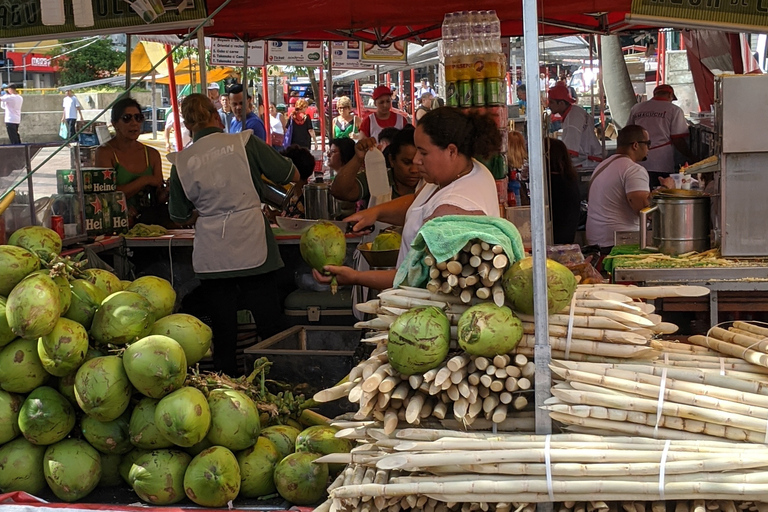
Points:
(619, 189)
(11, 102)
(252, 121)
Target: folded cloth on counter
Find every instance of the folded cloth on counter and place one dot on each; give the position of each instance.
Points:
(446, 236)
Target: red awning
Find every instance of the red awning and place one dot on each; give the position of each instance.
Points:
(313, 20)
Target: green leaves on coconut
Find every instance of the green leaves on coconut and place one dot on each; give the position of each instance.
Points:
(323, 244)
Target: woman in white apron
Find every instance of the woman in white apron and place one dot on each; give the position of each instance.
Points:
(453, 183)
(234, 253)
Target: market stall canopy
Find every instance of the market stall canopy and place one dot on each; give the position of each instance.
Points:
(310, 20)
(144, 56)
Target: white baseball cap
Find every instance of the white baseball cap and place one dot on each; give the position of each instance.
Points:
(213, 85)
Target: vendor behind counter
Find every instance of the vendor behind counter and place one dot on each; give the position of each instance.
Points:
(235, 253)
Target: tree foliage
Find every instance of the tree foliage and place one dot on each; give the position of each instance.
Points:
(88, 62)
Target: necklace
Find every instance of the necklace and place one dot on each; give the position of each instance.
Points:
(460, 175)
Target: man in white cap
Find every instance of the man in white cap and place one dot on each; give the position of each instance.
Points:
(667, 130)
(213, 94)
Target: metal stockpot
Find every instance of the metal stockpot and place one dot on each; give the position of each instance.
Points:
(679, 220)
(317, 200)
(277, 196)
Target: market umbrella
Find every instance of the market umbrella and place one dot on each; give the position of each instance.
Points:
(144, 56)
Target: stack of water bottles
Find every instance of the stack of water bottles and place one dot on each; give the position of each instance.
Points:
(475, 67)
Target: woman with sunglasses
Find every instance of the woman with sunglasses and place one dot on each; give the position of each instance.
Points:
(346, 124)
(138, 167)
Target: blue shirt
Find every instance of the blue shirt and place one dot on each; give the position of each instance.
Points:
(252, 122)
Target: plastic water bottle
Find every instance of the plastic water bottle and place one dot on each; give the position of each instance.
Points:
(494, 31)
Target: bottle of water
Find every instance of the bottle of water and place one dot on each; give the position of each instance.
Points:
(449, 35)
(494, 31)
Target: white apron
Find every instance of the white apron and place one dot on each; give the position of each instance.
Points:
(216, 177)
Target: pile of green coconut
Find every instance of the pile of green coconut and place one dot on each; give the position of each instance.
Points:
(95, 391)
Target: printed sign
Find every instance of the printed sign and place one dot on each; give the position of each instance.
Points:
(395, 53)
(228, 52)
(33, 62)
(348, 55)
(738, 12)
(295, 53)
(33, 20)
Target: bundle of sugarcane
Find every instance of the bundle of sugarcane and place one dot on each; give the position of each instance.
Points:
(468, 388)
(600, 323)
(743, 340)
(459, 467)
(475, 271)
(658, 401)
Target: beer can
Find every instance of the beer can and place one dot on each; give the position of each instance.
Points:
(95, 224)
(478, 92)
(452, 94)
(57, 224)
(465, 93)
(118, 212)
(494, 92)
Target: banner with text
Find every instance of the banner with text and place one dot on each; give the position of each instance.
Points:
(295, 53)
(735, 12)
(348, 55)
(229, 52)
(395, 53)
(29, 20)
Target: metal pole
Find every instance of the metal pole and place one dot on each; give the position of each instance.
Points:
(542, 351)
(591, 68)
(321, 107)
(329, 93)
(174, 99)
(201, 59)
(602, 91)
(244, 112)
(30, 186)
(265, 87)
(154, 106)
(128, 60)
(413, 96)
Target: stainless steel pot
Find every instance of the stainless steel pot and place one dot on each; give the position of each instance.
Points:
(679, 220)
(277, 196)
(317, 200)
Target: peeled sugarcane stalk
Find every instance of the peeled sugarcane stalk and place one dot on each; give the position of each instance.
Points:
(592, 322)
(591, 347)
(650, 292)
(731, 349)
(754, 342)
(606, 335)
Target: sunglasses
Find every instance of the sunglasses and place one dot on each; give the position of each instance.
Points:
(646, 142)
(126, 118)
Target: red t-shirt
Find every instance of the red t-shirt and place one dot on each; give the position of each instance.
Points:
(391, 122)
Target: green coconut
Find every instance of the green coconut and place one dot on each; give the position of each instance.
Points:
(189, 332)
(156, 365)
(387, 241)
(46, 416)
(6, 334)
(488, 330)
(158, 476)
(123, 317)
(63, 350)
(323, 244)
(419, 340)
(102, 388)
(32, 307)
(65, 294)
(322, 439)
(157, 291)
(10, 405)
(110, 470)
(38, 239)
(67, 383)
(21, 467)
(124, 284)
(234, 419)
(142, 431)
(299, 480)
(257, 466)
(72, 469)
(283, 437)
(104, 280)
(213, 477)
(518, 286)
(199, 447)
(183, 417)
(110, 437)
(126, 463)
(20, 368)
(16, 263)
(85, 300)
